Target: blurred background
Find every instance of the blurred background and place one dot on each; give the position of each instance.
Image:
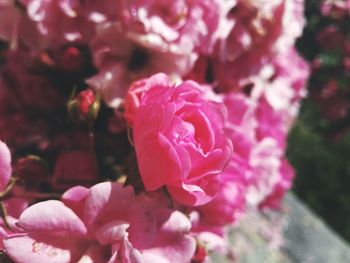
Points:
(319, 144)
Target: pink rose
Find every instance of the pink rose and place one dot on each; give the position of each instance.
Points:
(106, 223)
(179, 138)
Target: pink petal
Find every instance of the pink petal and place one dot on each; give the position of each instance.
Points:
(51, 215)
(142, 217)
(194, 195)
(157, 158)
(39, 248)
(173, 244)
(5, 165)
(124, 252)
(112, 231)
(74, 198)
(106, 200)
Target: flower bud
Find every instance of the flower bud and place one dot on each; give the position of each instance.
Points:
(84, 107)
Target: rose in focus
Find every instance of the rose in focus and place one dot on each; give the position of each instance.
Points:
(179, 138)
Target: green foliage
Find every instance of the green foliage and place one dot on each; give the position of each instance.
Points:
(323, 168)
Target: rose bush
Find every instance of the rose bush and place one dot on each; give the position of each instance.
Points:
(198, 156)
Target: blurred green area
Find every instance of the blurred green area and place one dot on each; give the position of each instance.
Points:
(322, 160)
(322, 168)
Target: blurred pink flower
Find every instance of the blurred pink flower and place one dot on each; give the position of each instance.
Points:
(336, 9)
(181, 25)
(229, 202)
(56, 24)
(278, 97)
(16, 27)
(179, 138)
(122, 57)
(257, 30)
(273, 200)
(256, 161)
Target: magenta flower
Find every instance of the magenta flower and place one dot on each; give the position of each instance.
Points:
(179, 138)
(106, 223)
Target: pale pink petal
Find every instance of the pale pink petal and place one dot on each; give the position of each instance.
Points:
(5, 165)
(112, 231)
(39, 248)
(74, 198)
(105, 200)
(173, 244)
(126, 253)
(194, 195)
(51, 215)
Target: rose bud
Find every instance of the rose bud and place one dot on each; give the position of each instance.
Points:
(84, 107)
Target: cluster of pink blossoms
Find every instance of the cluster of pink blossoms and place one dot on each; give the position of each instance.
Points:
(137, 131)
